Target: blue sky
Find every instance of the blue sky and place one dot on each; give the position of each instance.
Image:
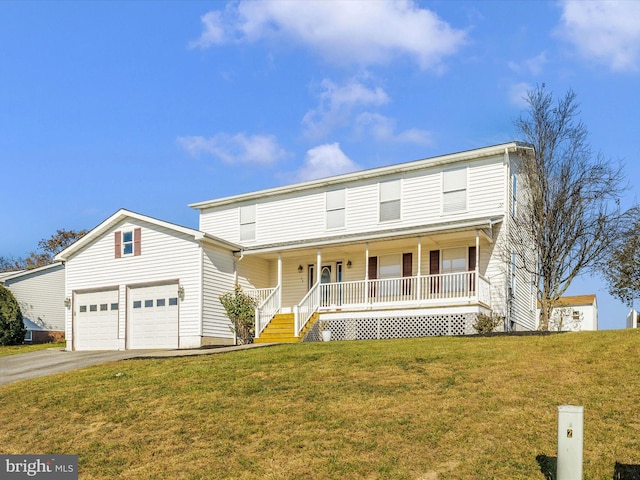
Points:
(151, 106)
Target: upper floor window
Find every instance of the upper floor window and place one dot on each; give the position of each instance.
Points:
(128, 242)
(390, 200)
(248, 222)
(454, 190)
(335, 209)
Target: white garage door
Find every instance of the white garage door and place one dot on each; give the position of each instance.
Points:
(96, 320)
(153, 317)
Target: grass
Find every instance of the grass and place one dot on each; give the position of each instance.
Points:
(15, 349)
(424, 409)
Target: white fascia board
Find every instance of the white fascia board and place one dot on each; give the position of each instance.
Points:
(365, 174)
(113, 220)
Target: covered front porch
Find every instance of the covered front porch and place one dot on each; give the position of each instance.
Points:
(413, 275)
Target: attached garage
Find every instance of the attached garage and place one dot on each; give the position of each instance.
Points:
(152, 317)
(96, 320)
(136, 282)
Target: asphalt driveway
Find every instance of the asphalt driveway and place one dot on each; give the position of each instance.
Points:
(40, 363)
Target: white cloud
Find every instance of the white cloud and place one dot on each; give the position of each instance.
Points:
(342, 31)
(337, 103)
(213, 31)
(238, 148)
(606, 31)
(531, 65)
(325, 161)
(382, 128)
(518, 94)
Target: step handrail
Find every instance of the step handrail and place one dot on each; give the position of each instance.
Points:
(306, 308)
(266, 310)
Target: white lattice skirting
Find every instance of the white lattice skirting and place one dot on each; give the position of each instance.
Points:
(396, 327)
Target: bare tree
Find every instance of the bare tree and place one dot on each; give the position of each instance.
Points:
(570, 213)
(48, 248)
(622, 267)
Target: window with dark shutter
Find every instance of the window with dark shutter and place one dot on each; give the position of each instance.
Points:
(373, 274)
(118, 244)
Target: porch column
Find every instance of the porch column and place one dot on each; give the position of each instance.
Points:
(477, 285)
(319, 266)
(280, 281)
(366, 273)
(419, 268)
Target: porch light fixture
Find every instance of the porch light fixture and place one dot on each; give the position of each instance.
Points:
(300, 269)
(348, 263)
(181, 292)
(67, 302)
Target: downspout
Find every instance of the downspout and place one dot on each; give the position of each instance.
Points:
(509, 296)
(235, 268)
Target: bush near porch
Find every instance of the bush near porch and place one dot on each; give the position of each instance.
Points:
(441, 407)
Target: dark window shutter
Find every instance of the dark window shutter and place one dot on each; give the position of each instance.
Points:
(472, 268)
(373, 268)
(434, 262)
(434, 269)
(118, 244)
(472, 258)
(137, 240)
(407, 271)
(373, 274)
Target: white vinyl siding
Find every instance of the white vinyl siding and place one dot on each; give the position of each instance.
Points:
(168, 255)
(335, 209)
(218, 279)
(454, 190)
(302, 215)
(248, 223)
(390, 204)
(40, 295)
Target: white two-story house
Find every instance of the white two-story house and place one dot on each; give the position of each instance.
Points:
(412, 249)
(405, 250)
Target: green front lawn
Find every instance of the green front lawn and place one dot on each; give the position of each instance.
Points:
(424, 409)
(14, 349)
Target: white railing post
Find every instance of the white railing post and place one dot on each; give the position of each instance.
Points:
(296, 320)
(256, 331)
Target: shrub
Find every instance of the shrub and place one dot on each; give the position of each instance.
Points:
(487, 323)
(12, 330)
(240, 309)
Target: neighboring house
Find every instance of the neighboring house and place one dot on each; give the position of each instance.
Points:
(412, 249)
(632, 319)
(40, 294)
(406, 250)
(135, 282)
(574, 314)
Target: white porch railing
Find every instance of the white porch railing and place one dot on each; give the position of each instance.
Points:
(259, 294)
(306, 308)
(267, 309)
(406, 290)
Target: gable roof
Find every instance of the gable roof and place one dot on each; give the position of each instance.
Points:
(124, 214)
(370, 173)
(576, 300)
(23, 273)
